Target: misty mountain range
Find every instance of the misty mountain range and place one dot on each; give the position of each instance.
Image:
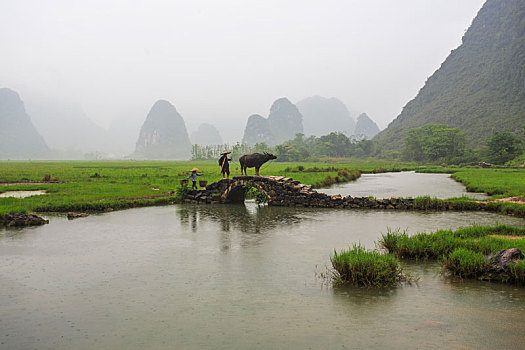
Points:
(479, 88)
(57, 130)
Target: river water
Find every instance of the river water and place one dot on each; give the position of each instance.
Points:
(21, 194)
(403, 184)
(233, 276)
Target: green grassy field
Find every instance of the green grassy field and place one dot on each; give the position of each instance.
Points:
(500, 182)
(97, 185)
(495, 182)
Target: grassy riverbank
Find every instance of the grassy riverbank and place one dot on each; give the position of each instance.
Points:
(100, 185)
(505, 186)
(495, 182)
(461, 252)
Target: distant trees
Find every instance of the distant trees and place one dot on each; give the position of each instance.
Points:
(334, 145)
(208, 152)
(503, 146)
(434, 143)
(300, 148)
(431, 143)
(297, 149)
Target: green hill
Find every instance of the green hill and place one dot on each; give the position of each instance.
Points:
(481, 85)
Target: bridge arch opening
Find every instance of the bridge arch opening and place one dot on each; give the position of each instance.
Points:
(238, 194)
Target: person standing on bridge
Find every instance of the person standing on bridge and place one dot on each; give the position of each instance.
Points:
(193, 178)
(224, 164)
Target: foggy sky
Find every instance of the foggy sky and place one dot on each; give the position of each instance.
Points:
(221, 61)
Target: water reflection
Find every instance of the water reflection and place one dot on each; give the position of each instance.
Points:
(248, 218)
(363, 297)
(234, 276)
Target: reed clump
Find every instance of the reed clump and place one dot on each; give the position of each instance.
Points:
(360, 267)
(465, 263)
(463, 252)
(517, 272)
(482, 239)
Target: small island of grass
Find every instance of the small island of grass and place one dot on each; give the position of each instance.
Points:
(470, 252)
(488, 253)
(360, 267)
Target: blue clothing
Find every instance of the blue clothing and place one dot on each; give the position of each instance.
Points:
(193, 176)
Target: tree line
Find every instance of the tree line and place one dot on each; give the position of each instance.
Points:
(440, 143)
(301, 148)
(429, 144)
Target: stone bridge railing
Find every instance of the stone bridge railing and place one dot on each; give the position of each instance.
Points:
(284, 191)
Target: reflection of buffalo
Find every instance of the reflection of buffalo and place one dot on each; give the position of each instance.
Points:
(254, 160)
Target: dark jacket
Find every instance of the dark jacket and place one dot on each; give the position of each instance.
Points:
(224, 159)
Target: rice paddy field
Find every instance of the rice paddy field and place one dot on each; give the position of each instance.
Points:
(99, 185)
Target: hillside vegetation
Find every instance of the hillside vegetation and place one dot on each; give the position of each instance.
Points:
(480, 86)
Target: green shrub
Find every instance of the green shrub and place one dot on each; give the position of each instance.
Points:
(443, 242)
(462, 252)
(390, 239)
(465, 263)
(423, 246)
(182, 191)
(367, 268)
(254, 193)
(517, 272)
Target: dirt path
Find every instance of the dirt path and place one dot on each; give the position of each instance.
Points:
(507, 237)
(517, 200)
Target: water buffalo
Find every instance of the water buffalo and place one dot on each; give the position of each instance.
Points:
(254, 160)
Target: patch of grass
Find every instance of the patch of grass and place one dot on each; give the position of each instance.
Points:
(517, 272)
(360, 267)
(503, 182)
(476, 231)
(506, 208)
(443, 242)
(462, 252)
(390, 239)
(427, 203)
(500, 182)
(465, 263)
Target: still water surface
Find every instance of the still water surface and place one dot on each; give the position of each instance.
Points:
(21, 194)
(403, 184)
(223, 277)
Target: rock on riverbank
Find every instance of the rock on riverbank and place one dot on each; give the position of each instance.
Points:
(18, 220)
(499, 264)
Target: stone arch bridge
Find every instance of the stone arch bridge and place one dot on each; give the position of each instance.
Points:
(278, 190)
(284, 191)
